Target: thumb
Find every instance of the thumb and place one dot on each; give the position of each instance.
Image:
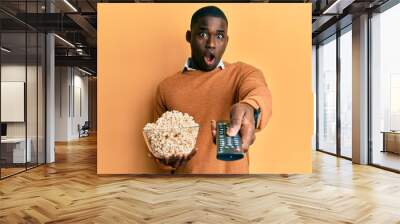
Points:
(234, 127)
(236, 114)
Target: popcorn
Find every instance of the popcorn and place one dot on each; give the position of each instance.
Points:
(174, 133)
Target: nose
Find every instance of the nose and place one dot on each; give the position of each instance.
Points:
(210, 42)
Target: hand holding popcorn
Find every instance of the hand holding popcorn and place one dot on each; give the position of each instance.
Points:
(172, 139)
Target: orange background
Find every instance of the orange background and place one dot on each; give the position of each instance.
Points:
(141, 44)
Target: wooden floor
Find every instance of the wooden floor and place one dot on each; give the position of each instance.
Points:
(387, 159)
(69, 191)
(5, 172)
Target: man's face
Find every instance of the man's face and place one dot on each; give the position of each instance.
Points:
(208, 39)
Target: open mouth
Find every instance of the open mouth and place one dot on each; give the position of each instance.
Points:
(209, 59)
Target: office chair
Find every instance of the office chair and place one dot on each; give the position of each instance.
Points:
(84, 130)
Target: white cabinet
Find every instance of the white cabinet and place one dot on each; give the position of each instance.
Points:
(16, 147)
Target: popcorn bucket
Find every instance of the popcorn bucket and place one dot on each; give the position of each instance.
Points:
(166, 142)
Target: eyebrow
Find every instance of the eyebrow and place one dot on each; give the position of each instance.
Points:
(206, 28)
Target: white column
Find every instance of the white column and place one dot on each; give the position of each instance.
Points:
(50, 100)
(360, 90)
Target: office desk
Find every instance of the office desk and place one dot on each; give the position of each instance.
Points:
(391, 141)
(13, 150)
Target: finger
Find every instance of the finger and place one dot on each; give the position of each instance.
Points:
(184, 160)
(213, 130)
(162, 165)
(177, 161)
(237, 114)
(167, 160)
(172, 160)
(192, 153)
(165, 167)
(247, 132)
(190, 156)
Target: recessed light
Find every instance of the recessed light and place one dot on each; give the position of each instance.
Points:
(64, 40)
(84, 71)
(5, 50)
(71, 6)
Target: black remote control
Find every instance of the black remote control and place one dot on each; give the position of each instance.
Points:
(229, 148)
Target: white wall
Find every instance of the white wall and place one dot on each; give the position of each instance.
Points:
(71, 93)
(61, 103)
(81, 89)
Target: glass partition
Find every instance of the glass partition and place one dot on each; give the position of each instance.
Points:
(22, 77)
(14, 154)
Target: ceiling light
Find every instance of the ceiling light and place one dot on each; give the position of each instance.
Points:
(338, 6)
(65, 41)
(70, 5)
(5, 50)
(84, 71)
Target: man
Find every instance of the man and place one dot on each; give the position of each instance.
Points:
(209, 89)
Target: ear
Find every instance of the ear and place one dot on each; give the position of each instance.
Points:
(227, 39)
(188, 36)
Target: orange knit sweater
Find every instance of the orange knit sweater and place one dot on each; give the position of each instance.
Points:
(209, 96)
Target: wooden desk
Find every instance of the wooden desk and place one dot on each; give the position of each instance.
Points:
(391, 141)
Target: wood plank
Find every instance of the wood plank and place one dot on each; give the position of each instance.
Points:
(70, 191)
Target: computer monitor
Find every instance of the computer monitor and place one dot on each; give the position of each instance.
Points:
(3, 129)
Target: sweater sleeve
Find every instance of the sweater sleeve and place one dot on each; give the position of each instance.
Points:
(254, 91)
(160, 106)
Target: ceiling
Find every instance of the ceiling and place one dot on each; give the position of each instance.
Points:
(76, 22)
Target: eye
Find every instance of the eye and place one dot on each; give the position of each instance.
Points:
(220, 36)
(203, 35)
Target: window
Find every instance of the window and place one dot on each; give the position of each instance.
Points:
(327, 95)
(385, 88)
(346, 93)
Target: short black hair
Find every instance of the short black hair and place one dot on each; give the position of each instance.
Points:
(207, 11)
